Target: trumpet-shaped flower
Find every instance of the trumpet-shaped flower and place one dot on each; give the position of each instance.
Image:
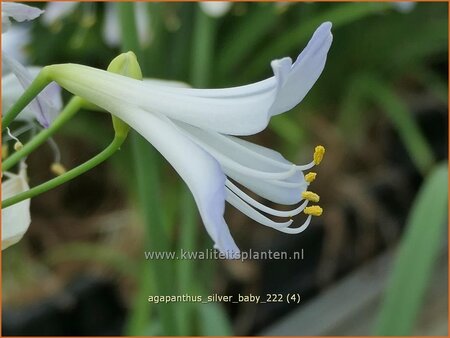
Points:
(15, 219)
(18, 12)
(44, 109)
(196, 129)
(16, 77)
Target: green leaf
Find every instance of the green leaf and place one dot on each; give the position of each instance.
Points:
(400, 116)
(417, 254)
(89, 252)
(288, 129)
(339, 15)
(244, 37)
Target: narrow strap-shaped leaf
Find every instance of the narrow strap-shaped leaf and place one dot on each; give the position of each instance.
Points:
(417, 254)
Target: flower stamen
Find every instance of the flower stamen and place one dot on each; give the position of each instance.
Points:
(18, 145)
(310, 177)
(319, 151)
(298, 230)
(246, 198)
(254, 214)
(310, 196)
(313, 210)
(58, 169)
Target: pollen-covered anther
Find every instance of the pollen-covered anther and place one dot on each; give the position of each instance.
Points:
(58, 169)
(313, 210)
(319, 151)
(18, 146)
(309, 177)
(310, 196)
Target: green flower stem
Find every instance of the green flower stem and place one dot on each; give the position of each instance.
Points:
(39, 83)
(71, 174)
(67, 113)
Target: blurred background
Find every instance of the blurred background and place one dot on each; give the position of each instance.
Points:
(378, 253)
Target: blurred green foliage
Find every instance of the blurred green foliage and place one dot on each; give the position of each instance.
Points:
(418, 251)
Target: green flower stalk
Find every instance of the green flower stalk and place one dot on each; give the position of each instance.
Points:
(125, 64)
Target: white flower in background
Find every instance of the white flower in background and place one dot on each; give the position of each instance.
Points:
(19, 12)
(404, 6)
(111, 32)
(215, 9)
(15, 219)
(12, 90)
(47, 105)
(15, 42)
(192, 129)
(56, 11)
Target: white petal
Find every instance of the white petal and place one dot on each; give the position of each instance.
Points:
(236, 151)
(20, 12)
(215, 9)
(15, 41)
(198, 169)
(296, 80)
(236, 115)
(242, 110)
(55, 11)
(229, 160)
(165, 83)
(267, 153)
(11, 91)
(47, 104)
(15, 219)
(251, 165)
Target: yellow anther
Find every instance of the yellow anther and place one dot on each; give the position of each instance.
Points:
(310, 196)
(319, 151)
(5, 151)
(18, 145)
(309, 177)
(58, 169)
(313, 210)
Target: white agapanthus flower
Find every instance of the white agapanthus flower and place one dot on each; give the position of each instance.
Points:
(15, 219)
(404, 6)
(15, 78)
(58, 10)
(14, 43)
(195, 129)
(111, 32)
(19, 12)
(47, 105)
(215, 9)
(13, 88)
